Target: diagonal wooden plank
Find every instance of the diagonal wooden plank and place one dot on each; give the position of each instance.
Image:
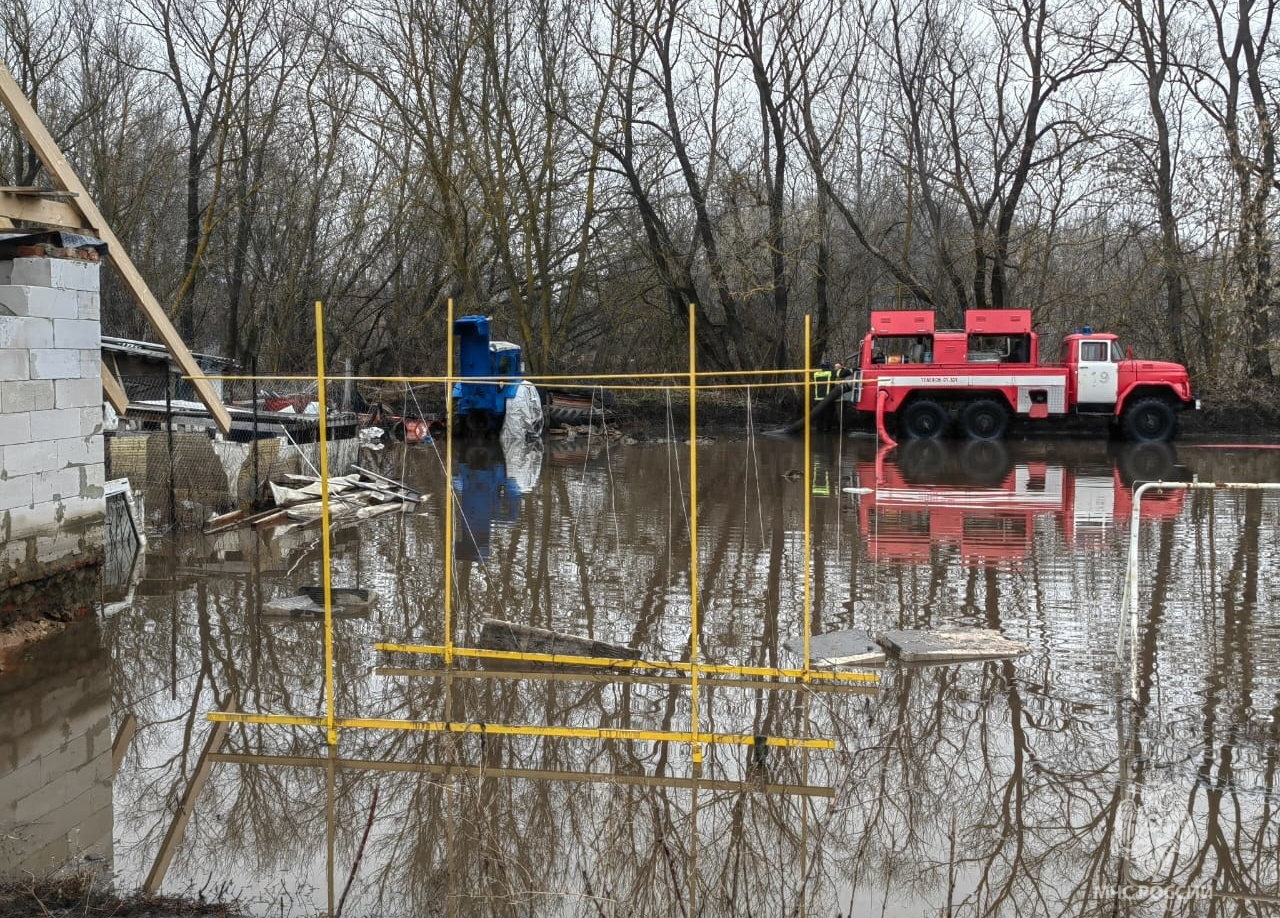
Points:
(60, 171)
(114, 392)
(178, 827)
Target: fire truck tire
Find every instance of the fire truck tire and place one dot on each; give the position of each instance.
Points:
(984, 419)
(1150, 420)
(924, 419)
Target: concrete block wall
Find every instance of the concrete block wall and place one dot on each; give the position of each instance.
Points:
(51, 463)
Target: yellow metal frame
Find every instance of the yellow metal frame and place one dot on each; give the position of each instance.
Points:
(454, 770)
(491, 729)
(692, 671)
(560, 659)
(865, 684)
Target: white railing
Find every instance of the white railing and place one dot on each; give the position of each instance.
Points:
(1130, 601)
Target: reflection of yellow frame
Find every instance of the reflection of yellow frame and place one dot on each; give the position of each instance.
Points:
(693, 668)
(767, 672)
(454, 770)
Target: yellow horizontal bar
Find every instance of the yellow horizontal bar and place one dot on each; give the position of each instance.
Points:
(528, 774)
(486, 729)
(614, 677)
(567, 382)
(611, 663)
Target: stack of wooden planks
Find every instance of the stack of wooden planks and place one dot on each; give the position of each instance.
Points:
(361, 495)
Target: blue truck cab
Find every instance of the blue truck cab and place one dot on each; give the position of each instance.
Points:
(498, 368)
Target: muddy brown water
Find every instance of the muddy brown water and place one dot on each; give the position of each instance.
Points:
(1026, 787)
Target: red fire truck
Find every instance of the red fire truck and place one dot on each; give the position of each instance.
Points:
(926, 380)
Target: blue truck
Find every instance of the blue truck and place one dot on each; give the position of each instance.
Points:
(498, 368)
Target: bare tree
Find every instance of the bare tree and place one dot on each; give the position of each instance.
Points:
(1155, 29)
(1229, 78)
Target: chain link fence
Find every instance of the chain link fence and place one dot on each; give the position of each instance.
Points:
(170, 450)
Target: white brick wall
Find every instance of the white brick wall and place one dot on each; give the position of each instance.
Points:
(41, 302)
(16, 491)
(29, 458)
(26, 395)
(24, 332)
(16, 429)
(51, 462)
(56, 273)
(77, 333)
(54, 363)
(55, 423)
(15, 364)
(73, 392)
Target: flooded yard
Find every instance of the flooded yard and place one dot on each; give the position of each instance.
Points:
(1067, 781)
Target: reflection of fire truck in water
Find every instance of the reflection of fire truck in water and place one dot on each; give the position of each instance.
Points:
(975, 499)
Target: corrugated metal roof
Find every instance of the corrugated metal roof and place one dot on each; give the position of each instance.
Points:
(153, 351)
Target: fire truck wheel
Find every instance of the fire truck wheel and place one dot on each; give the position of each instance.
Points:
(1150, 420)
(985, 419)
(924, 420)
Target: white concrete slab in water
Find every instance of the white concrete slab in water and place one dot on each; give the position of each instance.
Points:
(840, 648)
(947, 645)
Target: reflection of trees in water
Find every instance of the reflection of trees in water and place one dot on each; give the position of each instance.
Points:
(990, 787)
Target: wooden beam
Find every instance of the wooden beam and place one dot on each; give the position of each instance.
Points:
(124, 736)
(114, 392)
(178, 827)
(60, 171)
(31, 209)
(35, 191)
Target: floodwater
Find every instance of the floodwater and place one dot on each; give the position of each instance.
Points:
(1068, 781)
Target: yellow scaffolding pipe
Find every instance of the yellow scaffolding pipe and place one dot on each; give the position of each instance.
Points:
(448, 494)
(677, 377)
(693, 533)
(863, 685)
(488, 729)
(724, 669)
(807, 611)
(530, 774)
(331, 731)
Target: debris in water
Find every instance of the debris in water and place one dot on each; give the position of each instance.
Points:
(854, 647)
(949, 645)
(496, 634)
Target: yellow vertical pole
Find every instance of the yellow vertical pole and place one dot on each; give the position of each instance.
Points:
(808, 486)
(323, 421)
(448, 493)
(693, 533)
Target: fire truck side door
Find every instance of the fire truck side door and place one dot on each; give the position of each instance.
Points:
(1097, 376)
